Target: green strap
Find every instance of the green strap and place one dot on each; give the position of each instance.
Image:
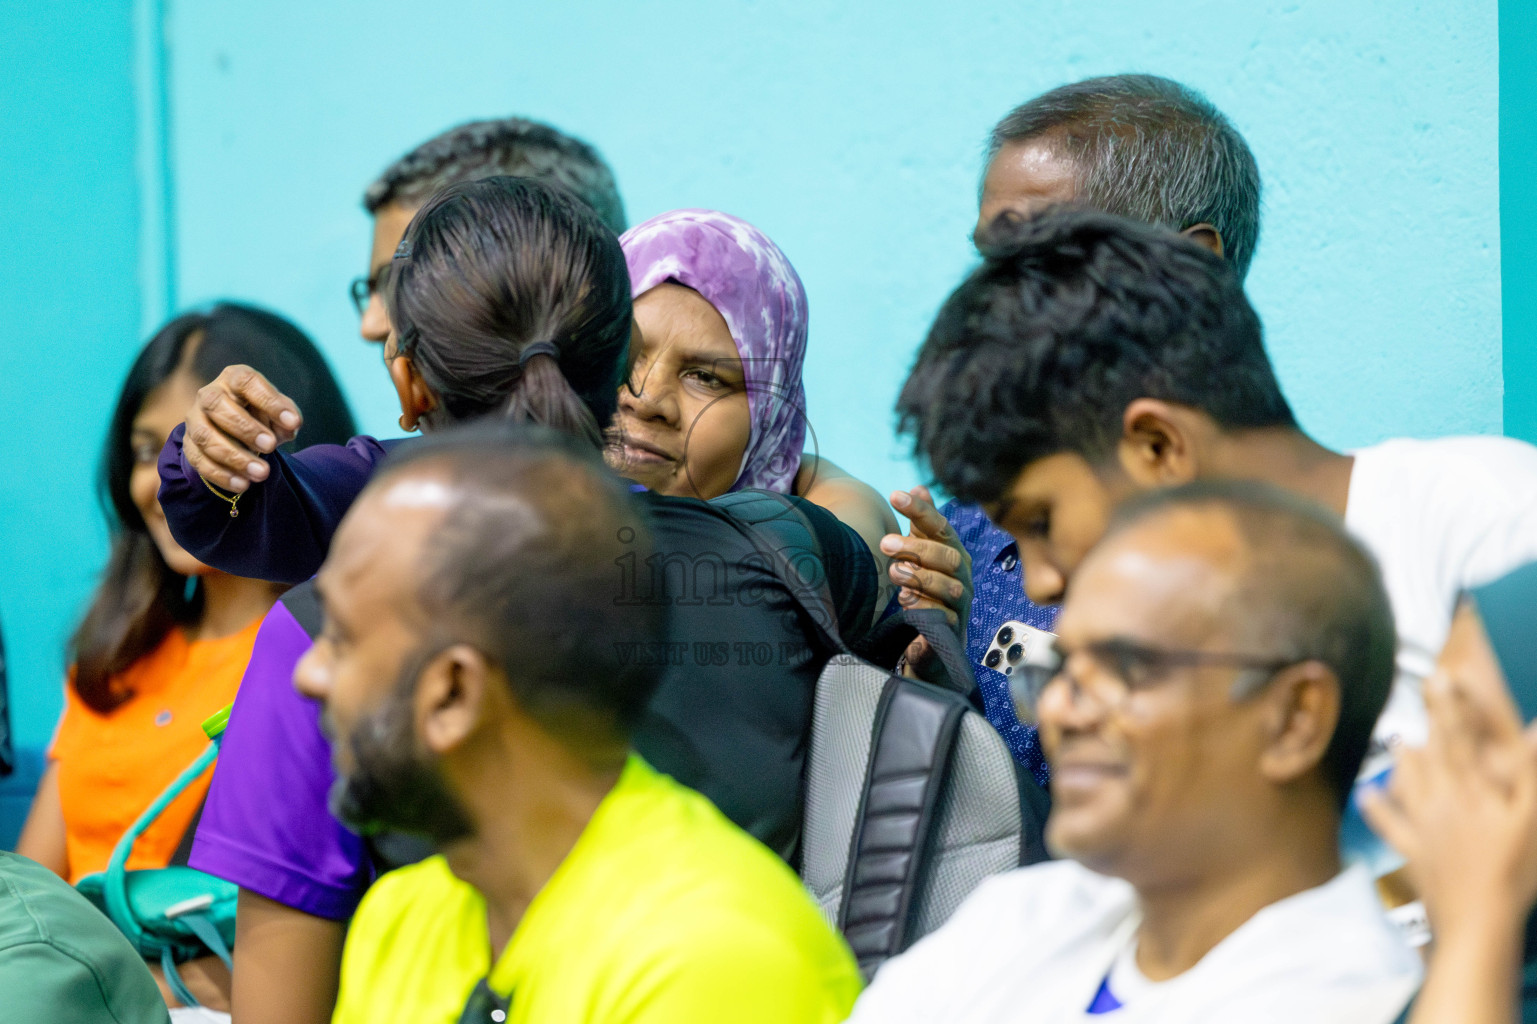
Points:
(115, 884)
(203, 927)
(173, 979)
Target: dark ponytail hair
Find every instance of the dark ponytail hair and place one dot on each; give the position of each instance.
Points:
(512, 299)
(140, 598)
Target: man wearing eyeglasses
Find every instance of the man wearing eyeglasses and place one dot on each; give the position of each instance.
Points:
(479, 149)
(1221, 659)
(1091, 358)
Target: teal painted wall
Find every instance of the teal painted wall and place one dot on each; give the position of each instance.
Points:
(1518, 213)
(71, 295)
(851, 132)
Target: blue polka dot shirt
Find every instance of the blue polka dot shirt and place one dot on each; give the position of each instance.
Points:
(999, 597)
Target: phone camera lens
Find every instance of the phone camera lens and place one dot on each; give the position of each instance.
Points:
(994, 656)
(1006, 636)
(1016, 652)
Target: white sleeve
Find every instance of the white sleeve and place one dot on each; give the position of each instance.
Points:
(1489, 504)
(921, 985)
(902, 990)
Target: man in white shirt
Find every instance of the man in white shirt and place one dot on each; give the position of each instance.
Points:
(1090, 358)
(1223, 653)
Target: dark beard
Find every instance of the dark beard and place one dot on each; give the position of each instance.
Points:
(390, 788)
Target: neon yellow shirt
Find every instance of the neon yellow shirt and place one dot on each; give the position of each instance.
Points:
(663, 911)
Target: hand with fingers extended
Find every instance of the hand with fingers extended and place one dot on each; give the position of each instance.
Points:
(930, 565)
(236, 419)
(1463, 811)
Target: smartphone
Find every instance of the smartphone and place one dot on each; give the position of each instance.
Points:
(1508, 607)
(1015, 644)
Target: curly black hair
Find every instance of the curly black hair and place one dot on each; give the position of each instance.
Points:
(1072, 316)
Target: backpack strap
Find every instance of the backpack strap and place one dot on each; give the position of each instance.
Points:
(889, 639)
(914, 736)
(788, 544)
(782, 534)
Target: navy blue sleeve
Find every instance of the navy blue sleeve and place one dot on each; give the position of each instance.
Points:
(284, 523)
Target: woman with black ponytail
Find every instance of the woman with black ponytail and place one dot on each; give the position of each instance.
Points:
(508, 298)
(538, 334)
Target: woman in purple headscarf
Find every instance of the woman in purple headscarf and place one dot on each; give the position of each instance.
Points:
(714, 402)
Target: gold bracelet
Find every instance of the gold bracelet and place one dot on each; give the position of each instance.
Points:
(234, 513)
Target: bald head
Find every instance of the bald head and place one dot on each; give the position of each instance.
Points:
(1282, 576)
(520, 557)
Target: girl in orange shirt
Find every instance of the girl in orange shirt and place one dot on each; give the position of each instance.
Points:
(166, 638)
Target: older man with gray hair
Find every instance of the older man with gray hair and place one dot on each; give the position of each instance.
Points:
(1138, 146)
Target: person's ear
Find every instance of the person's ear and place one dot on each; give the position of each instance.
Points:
(416, 397)
(451, 698)
(1206, 235)
(1302, 709)
(1157, 447)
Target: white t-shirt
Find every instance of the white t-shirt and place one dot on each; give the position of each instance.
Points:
(1441, 517)
(1035, 945)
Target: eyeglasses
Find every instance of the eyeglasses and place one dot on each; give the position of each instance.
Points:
(484, 1006)
(1125, 667)
(363, 289)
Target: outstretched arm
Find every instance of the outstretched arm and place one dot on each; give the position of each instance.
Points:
(239, 504)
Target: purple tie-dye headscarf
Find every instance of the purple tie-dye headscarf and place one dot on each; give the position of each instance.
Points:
(756, 291)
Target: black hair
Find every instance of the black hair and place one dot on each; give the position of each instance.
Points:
(1072, 316)
(140, 598)
(525, 568)
(509, 145)
(1151, 149)
(493, 266)
(1308, 591)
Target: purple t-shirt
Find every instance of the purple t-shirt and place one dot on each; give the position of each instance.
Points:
(266, 825)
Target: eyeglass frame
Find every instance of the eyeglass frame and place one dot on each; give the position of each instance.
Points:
(363, 289)
(1045, 665)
